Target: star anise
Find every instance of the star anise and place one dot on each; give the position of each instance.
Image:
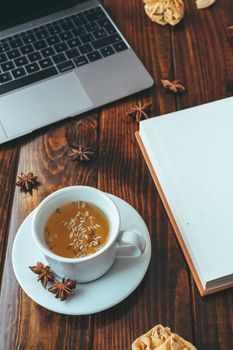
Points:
(27, 181)
(71, 283)
(62, 289)
(139, 111)
(174, 85)
(81, 153)
(43, 272)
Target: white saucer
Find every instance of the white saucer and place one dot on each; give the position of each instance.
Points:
(118, 283)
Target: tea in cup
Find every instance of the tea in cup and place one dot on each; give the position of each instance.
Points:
(77, 229)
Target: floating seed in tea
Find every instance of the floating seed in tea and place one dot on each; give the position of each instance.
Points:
(76, 229)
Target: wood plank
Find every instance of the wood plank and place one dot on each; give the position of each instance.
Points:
(163, 296)
(8, 164)
(213, 320)
(201, 43)
(197, 52)
(23, 323)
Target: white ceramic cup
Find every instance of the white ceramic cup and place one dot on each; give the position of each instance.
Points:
(127, 244)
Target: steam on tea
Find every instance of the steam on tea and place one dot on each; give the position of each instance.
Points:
(76, 229)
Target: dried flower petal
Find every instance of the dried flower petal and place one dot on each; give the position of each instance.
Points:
(165, 11)
(174, 85)
(202, 4)
(44, 273)
(162, 338)
(139, 111)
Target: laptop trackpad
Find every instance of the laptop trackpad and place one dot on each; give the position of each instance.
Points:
(41, 104)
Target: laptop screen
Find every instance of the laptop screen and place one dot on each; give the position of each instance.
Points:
(17, 11)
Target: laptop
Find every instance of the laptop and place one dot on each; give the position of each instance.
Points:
(60, 58)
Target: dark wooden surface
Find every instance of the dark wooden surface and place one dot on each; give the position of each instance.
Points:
(197, 52)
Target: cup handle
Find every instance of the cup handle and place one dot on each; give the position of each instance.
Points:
(130, 244)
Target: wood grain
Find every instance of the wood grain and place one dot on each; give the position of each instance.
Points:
(160, 298)
(201, 42)
(24, 324)
(8, 168)
(197, 52)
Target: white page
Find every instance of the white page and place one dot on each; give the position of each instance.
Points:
(192, 154)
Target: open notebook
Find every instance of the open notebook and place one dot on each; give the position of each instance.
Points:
(190, 156)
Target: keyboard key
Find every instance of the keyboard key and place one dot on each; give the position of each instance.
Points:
(66, 35)
(40, 45)
(95, 13)
(35, 56)
(46, 62)
(107, 51)
(3, 58)
(86, 38)
(26, 80)
(61, 47)
(28, 39)
(82, 42)
(49, 51)
(21, 61)
(16, 43)
(107, 25)
(28, 32)
(110, 29)
(7, 66)
(4, 47)
(13, 54)
(120, 46)
(55, 29)
(65, 66)
(18, 72)
(67, 24)
(42, 34)
(80, 61)
(79, 20)
(44, 27)
(72, 53)
(100, 33)
(91, 27)
(27, 49)
(73, 42)
(32, 67)
(78, 31)
(5, 77)
(85, 48)
(103, 22)
(53, 40)
(106, 41)
(9, 39)
(59, 58)
(94, 56)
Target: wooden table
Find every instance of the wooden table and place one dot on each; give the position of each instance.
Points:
(198, 52)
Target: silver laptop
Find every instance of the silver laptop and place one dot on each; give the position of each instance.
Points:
(58, 59)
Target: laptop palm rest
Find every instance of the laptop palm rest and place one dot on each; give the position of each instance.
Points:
(42, 104)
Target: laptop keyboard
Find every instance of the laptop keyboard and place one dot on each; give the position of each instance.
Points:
(57, 47)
